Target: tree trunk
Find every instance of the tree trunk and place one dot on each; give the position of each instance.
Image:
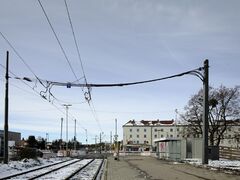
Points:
(211, 139)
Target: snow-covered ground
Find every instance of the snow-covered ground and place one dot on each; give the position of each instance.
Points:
(217, 164)
(15, 167)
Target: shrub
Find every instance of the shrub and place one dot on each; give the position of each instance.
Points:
(29, 153)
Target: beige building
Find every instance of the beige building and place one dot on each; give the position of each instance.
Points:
(140, 135)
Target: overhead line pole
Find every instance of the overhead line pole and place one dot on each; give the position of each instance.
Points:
(6, 113)
(75, 141)
(205, 113)
(67, 106)
(61, 134)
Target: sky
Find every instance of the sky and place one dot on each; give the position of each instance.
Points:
(119, 41)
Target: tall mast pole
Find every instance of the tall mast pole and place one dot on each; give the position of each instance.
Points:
(6, 114)
(205, 113)
(75, 141)
(67, 106)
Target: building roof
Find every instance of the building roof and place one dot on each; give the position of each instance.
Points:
(166, 139)
(149, 122)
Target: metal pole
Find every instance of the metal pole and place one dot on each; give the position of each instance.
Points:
(6, 114)
(61, 134)
(116, 140)
(46, 140)
(96, 143)
(61, 128)
(100, 142)
(75, 134)
(110, 148)
(67, 106)
(66, 128)
(86, 137)
(205, 113)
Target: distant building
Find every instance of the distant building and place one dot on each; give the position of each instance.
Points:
(13, 137)
(140, 135)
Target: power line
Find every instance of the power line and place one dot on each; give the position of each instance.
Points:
(59, 43)
(191, 72)
(86, 94)
(95, 115)
(20, 57)
(75, 40)
(37, 93)
(127, 112)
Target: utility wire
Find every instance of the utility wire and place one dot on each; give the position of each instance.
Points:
(84, 75)
(75, 40)
(37, 93)
(59, 43)
(20, 57)
(95, 115)
(123, 84)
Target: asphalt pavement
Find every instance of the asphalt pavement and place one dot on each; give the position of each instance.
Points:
(139, 167)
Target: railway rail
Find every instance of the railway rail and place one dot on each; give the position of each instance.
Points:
(71, 169)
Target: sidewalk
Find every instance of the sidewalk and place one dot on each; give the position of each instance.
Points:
(120, 170)
(139, 167)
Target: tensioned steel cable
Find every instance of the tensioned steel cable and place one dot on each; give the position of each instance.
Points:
(20, 57)
(80, 59)
(59, 43)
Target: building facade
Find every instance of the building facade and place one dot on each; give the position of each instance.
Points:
(13, 137)
(140, 135)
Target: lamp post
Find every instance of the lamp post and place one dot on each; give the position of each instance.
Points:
(67, 106)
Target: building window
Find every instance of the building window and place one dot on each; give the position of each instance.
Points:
(130, 130)
(130, 136)
(171, 135)
(145, 135)
(145, 130)
(155, 136)
(137, 130)
(177, 129)
(171, 130)
(137, 136)
(177, 135)
(161, 136)
(162, 130)
(155, 130)
(137, 142)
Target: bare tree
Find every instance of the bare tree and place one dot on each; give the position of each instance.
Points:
(224, 109)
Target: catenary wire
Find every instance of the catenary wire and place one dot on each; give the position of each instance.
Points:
(62, 49)
(75, 40)
(37, 93)
(122, 84)
(59, 43)
(90, 101)
(20, 57)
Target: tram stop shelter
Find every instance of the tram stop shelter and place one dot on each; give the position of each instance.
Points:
(168, 148)
(177, 149)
